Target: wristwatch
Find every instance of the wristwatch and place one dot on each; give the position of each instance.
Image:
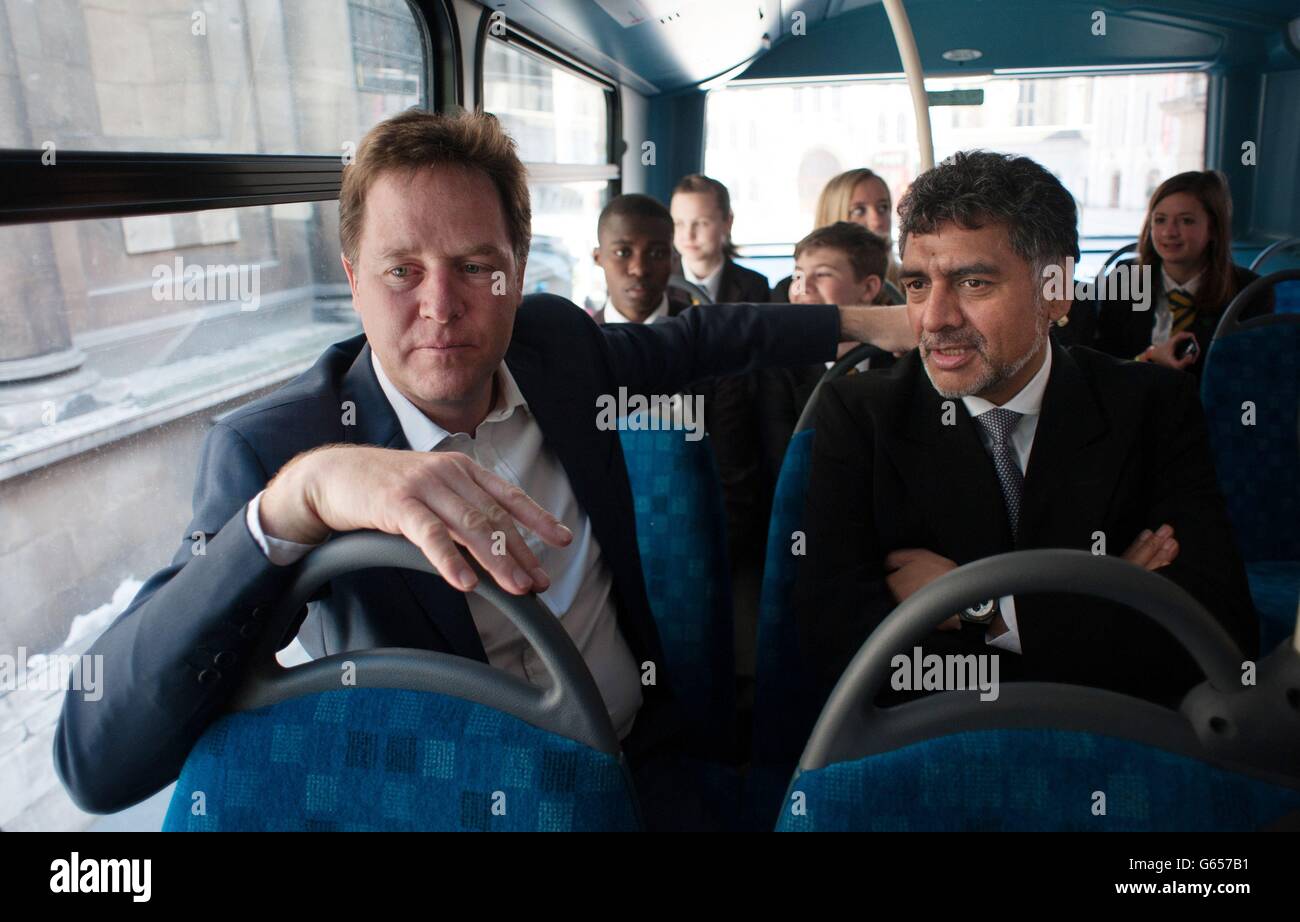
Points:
(983, 613)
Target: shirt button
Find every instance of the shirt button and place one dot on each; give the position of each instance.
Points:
(208, 676)
(249, 631)
(225, 659)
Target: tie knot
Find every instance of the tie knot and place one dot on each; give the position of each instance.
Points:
(1179, 299)
(999, 423)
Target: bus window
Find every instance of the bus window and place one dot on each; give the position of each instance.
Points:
(561, 121)
(221, 78)
(122, 338)
(1104, 136)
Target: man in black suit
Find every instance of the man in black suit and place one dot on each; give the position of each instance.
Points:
(989, 438)
(455, 411)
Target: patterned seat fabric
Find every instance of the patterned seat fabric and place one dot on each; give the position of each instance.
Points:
(1016, 780)
(681, 536)
(390, 759)
(1260, 369)
(786, 699)
(1275, 588)
(1286, 298)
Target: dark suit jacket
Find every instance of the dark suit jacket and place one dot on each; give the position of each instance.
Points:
(742, 286)
(1120, 446)
(782, 395)
(173, 657)
(1124, 332)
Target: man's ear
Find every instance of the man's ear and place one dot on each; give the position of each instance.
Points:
(595, 255)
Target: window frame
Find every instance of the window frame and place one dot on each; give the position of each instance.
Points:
(113, 184)
(611, 171)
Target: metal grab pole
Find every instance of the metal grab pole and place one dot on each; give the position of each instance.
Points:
(906, 43)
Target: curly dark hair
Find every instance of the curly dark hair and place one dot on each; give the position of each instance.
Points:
(979, 187)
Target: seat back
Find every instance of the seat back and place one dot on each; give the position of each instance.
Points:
(403, 739)
(396, 760)
(787, 697)
(1281, 254)
(1250, 389)
(1031, 780)
(1047, 756)
(681, 537)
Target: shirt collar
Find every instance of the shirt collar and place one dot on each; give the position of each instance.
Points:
(422, 433)
(1029, 400)
(612, 314)
(1189, 286)
(710, 283)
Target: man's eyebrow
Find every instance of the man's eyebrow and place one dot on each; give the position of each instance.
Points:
(481, 249)
(955, 272)
(972, 269)
(484, 249)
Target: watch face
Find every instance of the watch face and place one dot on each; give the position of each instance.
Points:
(980, 613)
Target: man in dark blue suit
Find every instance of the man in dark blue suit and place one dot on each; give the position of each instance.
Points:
(461, 408)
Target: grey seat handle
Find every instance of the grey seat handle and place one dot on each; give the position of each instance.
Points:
(572, 706)
(851, 713)
(1229, 324)
(858, 353)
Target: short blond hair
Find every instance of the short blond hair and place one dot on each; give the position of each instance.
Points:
(416, 139)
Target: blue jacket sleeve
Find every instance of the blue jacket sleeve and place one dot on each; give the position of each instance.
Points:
(719, 339)
(161, 680)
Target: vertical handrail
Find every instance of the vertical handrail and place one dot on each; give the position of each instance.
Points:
(906, 43)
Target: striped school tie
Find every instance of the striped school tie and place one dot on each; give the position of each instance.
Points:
(1181, 309)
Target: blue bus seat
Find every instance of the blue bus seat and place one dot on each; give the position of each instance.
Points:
(416, 741)
(681, 536)
(1043, 756)
(1027, 780)
(1254, 367)
(395, 760)
(786, 698)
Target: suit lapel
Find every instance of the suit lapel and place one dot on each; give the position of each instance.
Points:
(567, 429)
(375, 423)
(1071, 465)
(941, 450)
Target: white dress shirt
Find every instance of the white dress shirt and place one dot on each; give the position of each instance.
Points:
(1163, 326)
(712, 283)
(509, 442)
(1029, 403)
(613, 315)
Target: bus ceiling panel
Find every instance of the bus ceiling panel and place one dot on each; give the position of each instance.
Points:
(850, 37)
(653, 46)
(105, 184)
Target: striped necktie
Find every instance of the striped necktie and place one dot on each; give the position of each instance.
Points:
(1181, 309)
